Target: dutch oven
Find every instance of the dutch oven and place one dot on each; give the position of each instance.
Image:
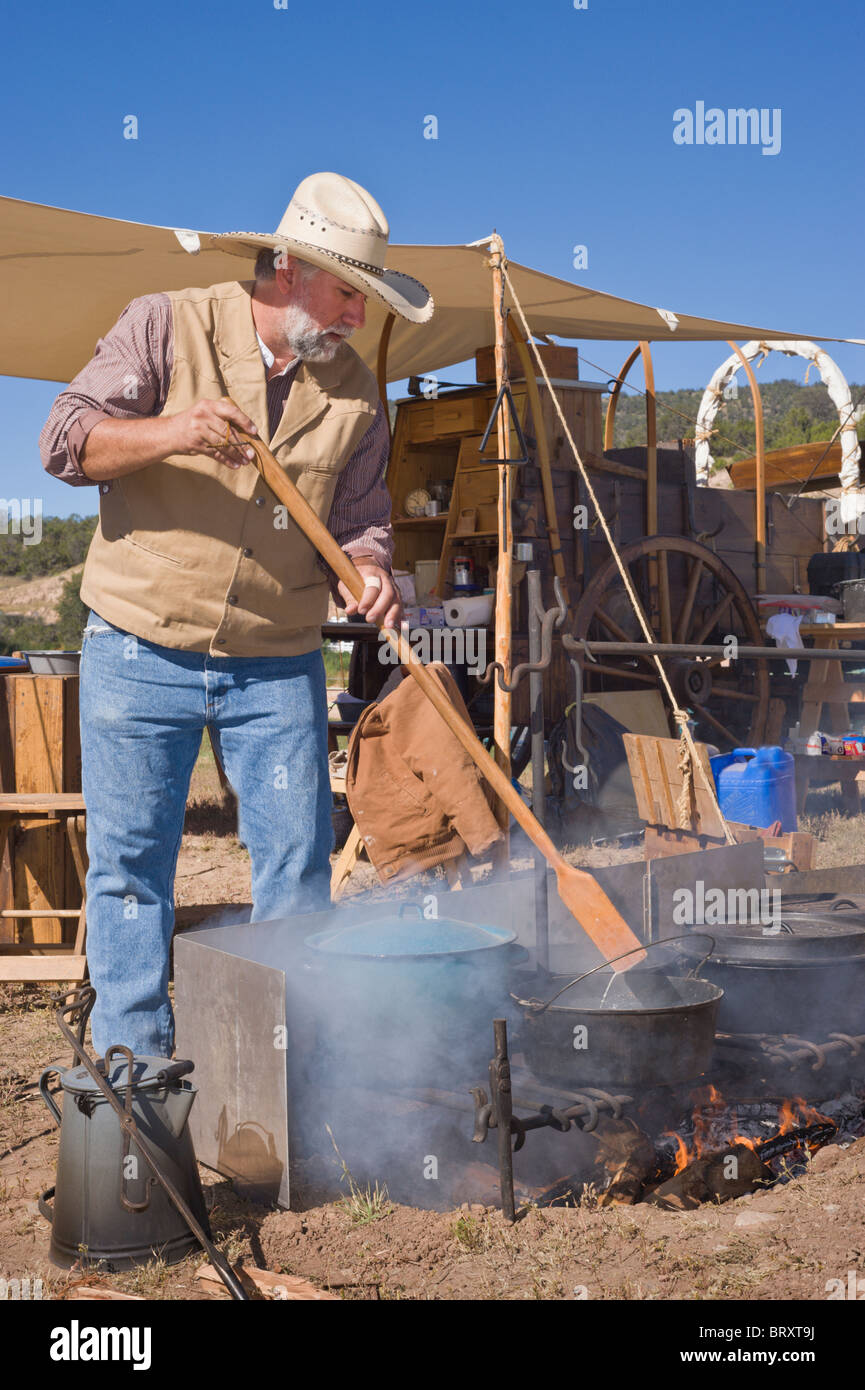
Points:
(807, 977)
(407, 1000)
(594, 1031)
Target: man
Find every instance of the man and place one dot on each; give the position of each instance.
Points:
(206, 599)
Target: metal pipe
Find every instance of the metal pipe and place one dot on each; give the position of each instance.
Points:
(500, 1087)
(591, 649)
(536, 708)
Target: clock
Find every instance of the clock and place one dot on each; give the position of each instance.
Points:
(415, 503)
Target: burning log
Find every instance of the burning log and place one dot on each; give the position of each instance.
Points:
(719, 1176)
(722, 1175)
(628, 1155)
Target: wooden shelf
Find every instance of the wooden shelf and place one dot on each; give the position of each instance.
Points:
(420, 520)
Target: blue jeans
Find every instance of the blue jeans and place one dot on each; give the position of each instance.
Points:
(144, 709)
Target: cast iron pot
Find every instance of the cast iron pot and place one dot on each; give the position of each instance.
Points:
(594, 1032)
(806, 978)
(406, 1000)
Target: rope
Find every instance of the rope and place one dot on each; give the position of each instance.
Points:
(688, 759)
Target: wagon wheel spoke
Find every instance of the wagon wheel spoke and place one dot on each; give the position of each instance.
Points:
(617, 633)
(645, 620)
(713, 619)
(731, 693)
(736, 707)
(683, 626)
(664, 597)
(716, 724)
(622, 672)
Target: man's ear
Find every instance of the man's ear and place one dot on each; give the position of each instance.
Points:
(286, 273)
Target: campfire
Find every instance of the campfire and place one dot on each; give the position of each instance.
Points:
(726, 1149)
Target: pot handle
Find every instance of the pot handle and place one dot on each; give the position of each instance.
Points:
(49, 1099)
(44, 1209)
(538, 1007)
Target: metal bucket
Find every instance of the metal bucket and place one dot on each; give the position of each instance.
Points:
(852, 594)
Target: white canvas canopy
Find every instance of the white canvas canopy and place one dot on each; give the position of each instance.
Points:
(65, 276)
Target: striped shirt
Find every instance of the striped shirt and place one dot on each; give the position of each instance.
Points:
(128, 377)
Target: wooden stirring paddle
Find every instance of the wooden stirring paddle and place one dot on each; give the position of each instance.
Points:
(581, 894)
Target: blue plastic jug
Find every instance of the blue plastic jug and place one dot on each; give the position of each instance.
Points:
(757, 786)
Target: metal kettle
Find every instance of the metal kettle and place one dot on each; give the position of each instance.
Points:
(107, 1205)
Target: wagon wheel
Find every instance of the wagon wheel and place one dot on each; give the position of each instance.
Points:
(698, 600)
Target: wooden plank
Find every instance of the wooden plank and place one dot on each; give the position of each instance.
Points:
(791, 465)
(289, 1287)
(559, 361)
(41, 969)
(653, 763)
(47, 763)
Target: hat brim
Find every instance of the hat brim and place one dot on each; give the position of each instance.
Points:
(400, 293)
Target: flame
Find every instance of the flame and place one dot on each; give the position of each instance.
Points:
(710, 1106)
(683, 1156)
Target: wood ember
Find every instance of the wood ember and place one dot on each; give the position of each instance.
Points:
(627, 1155)
(712, 1178)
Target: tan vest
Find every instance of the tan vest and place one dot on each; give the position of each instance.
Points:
(192, 554)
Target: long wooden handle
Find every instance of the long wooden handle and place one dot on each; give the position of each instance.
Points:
(315, 531)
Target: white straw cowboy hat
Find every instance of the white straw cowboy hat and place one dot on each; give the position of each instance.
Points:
(334, 223)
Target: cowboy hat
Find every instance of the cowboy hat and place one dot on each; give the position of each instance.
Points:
(335, 224)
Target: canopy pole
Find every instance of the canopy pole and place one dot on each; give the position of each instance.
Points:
(381, 365)
(659, 579)
(504, 568)
(540, 432)
(760, 480)
(612, 403)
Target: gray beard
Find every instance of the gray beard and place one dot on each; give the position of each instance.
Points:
(306, 340)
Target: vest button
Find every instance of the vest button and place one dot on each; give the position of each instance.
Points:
(104, 487)
(260, 502)
(246, 552)
(221, 641)
(232, 599)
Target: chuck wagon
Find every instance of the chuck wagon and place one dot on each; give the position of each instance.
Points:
(700, 556)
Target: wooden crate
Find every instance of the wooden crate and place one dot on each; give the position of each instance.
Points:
(40, 752)
(562, 363)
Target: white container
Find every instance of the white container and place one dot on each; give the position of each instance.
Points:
(473, 611)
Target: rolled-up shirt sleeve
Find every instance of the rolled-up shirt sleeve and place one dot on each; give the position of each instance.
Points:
(360, 513)
(127, 377)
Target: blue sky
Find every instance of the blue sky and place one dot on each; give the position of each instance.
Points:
(555, 126)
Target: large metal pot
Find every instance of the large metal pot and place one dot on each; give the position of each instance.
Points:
(406, 1000)
(803, 975)
(596, 1033)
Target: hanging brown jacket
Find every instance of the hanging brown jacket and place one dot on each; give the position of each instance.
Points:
(416, 796)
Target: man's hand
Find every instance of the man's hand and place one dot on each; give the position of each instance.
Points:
(208, 428)
(114, 448)
(380, 601)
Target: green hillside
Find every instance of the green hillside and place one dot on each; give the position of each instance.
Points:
(792, 414)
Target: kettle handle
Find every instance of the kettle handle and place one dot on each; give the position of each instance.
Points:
(43, 1091)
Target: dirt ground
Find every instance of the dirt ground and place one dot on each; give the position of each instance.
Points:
(790, 1241)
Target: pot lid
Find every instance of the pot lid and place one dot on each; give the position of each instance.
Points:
(144, 1070)
(797, 938)
(410, 934)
